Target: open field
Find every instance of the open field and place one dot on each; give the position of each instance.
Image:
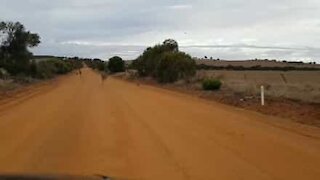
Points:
(81, 126)
(251, 63)
(297, 85)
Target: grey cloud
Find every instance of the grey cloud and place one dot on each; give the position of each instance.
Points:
(234, 29)
(180, 6)
(251, 47)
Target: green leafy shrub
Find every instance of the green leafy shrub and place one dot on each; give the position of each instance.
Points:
(211, 84)
(148, 62)
(97, 64)
(50, 68)
(165, 63)
(174, 66)
(45, 70)
(62, 67)
(116, 64)
(3, 73)
(14, 47)
(102, 66)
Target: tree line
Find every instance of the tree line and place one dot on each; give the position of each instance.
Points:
(114, 65)
(16, 59)
(164, 62)
(256, 68)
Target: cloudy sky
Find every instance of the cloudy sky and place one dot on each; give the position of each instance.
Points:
(225, 29)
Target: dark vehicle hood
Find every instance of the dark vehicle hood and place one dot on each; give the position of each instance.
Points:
(54, 177)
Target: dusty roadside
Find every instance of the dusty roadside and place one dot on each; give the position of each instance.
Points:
(297, 111)
(20, 92)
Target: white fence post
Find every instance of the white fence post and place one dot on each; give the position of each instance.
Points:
(262, 95)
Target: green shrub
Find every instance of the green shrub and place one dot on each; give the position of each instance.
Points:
(45, 70)
(97, 64)
(148, 62)
(102, 66)
(165, 63)
(174, 66)
(3, 73)
(61, 67)
(50, 68)
(116, 64)
(14, 47)
(211, 84)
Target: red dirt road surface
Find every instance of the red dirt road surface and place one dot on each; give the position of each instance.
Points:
(81, 126)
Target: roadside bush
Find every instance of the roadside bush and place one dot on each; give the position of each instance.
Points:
(50, 68)
(45, 70)
(62, 67)
(116, 64)
(148, 62)
(23, 79)
(74, 63)
(165, 63)
(97, 64)
(211, 84)
(102, 66)
(174, 66)
(3, 73)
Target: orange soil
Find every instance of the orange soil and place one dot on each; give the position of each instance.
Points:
(82, 126)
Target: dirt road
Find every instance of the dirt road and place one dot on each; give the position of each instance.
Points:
(82, 126)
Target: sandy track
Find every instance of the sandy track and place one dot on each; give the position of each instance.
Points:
(84, 127)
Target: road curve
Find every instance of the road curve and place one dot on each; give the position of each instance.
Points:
(82, 126)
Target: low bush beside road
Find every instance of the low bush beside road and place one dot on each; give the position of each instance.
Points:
(96, 64)
(211, 84)
(165, 63)
(50, 68)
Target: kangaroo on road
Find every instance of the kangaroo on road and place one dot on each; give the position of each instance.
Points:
(104, 76)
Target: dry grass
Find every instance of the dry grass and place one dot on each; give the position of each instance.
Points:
(297, 85)
(251, 63)
(7, 85)
(241, 90)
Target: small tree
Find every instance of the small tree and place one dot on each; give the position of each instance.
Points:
(15, 41)
(148, 62)
(116, 64)
(165, 63)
